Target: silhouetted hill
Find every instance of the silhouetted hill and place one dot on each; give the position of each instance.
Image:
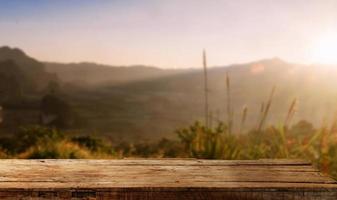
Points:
(12, 81)
(32, 69)
(17, 55)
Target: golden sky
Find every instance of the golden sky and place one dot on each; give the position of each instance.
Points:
(171, 33)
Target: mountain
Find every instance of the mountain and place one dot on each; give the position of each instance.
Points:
(156, 107)
(12, 80)
(33, 71)
(97, 74)
(149, 102)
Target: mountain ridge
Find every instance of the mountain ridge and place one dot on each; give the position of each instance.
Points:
(32, 69)
(127, 101)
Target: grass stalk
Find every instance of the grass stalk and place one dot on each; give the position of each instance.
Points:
(230, 112)
(205, 88)
(266, 109)
(243, 118)
(291, 112)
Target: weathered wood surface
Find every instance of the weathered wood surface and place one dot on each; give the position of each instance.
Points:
(164, 179)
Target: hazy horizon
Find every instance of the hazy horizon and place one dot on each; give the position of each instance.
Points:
(171, 34)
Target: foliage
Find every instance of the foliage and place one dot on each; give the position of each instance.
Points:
(316, 145)
(29, 137)
(93, 144)
(210, 143)
(42, 142)
(301, 141)
(54, 150)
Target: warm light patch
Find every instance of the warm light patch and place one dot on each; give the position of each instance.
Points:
(325, 50)
(256, 68)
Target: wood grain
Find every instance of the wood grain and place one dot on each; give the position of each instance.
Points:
(167, 179)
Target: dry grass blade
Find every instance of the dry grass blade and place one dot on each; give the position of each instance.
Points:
(333, 127)
(211, 119)
(266, 109)
(205, 87)
(243, 118)
(230, 112)
(260, 115)
(291, 113)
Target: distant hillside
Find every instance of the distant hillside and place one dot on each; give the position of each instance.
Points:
(33, 71)
(157, 107)
(151, 102)
(93, 74)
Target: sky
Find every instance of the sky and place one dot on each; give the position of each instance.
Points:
(170, 33)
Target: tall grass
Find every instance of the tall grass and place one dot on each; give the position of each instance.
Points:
(209, 143)
(319, 147)
(230, 111)
(243, 118)
(283, 141)
(291, 112)
(197, 141)
(204, 61)
(265, 110)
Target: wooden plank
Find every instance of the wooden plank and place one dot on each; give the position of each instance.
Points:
(163, 179)
(187, 174)
(164, 162)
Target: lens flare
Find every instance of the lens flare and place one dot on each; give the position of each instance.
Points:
(325, 50)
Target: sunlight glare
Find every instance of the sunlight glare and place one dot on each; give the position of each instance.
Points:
(325, 50)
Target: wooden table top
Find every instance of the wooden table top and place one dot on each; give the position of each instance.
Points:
(161, 175)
